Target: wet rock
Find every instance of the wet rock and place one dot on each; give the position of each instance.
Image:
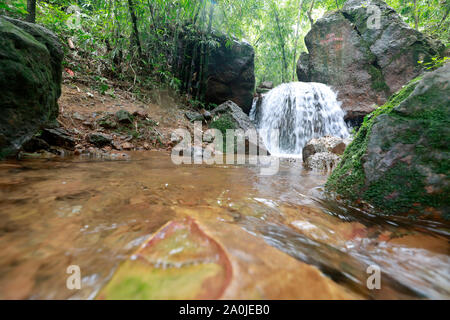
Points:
(89, 124)
(303, 68)
(58, 137)
(323, 153)
(108, 122)
(230, 116)
(127, 146)
(206, 115)
(35, 144)
(30, 81)
(193, 116)
(140, 114)
(322, 161)
(208, 137)
(365, 65)
(238, 117)
(99, 139)
(398, 161)
(264, 87)
(124, 117)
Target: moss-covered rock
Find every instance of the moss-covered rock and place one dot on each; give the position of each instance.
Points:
(30, 81)
(229, 116)
(399, 159)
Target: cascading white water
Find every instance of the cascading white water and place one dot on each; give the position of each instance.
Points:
(300, 111)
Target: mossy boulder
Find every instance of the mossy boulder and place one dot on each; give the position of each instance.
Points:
(30, 81)
(364, 62)
(229, 116)
(399, 159)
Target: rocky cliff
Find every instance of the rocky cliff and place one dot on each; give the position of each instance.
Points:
(364, 58)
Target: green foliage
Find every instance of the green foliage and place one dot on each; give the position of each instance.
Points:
(223, 123)
(377, 78)
(104, 35)
(436, 62)
(14, 8)
(431, 16)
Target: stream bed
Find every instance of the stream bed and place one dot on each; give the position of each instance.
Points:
(95, 214)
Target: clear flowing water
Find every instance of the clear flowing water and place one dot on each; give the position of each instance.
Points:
(95, 214)
(300, 111)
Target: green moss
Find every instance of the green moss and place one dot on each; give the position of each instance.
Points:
(402, 187)
(377, 78)
(4, 153)
(223, 123)
(348, 178)
(384, 193)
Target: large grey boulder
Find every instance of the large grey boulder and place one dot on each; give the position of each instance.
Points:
(30, 81)
(399, 160)
(230, 116)
(365, 63)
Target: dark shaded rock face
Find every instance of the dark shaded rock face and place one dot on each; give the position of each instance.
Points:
(231, 75)
(231, 70)
(30, 81)
(399, 161)
(58, 137)
(363, 63)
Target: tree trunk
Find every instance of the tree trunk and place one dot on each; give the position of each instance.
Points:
(175, 41)
(194, 20)
(204, 80)
(297, 35)
(443, 18)
(31, 8)
(282, 45)
(309, 13)
(135, 26)
(416, 16)
(202, 56)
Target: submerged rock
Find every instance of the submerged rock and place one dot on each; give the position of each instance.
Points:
(30, 81)
(364, 63)
(399, 160)
(324, 153)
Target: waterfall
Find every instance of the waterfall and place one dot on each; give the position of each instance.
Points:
(300, 111)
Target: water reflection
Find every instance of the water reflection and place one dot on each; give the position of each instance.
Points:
(97, 213)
